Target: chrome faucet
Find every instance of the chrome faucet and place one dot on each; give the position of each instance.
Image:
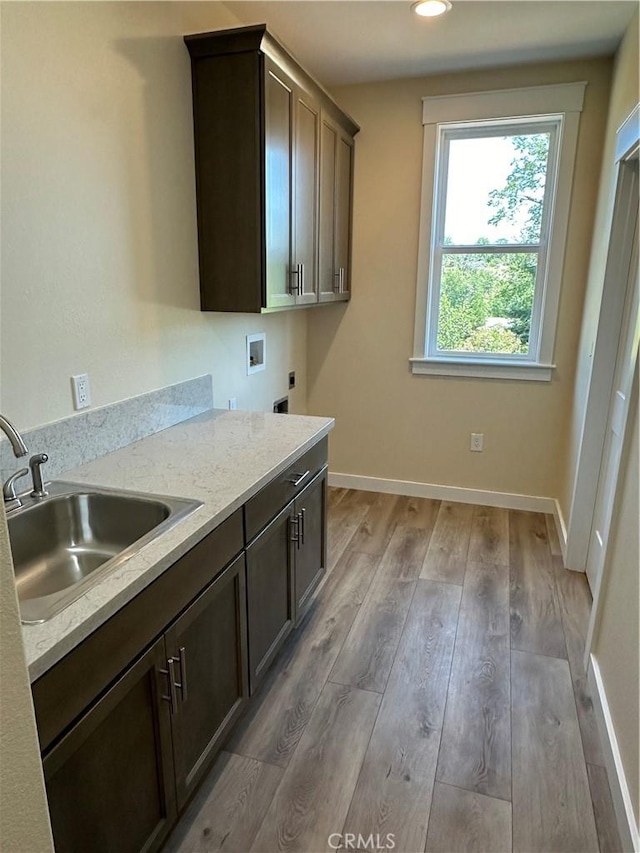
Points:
(11, 500)
(17, 443)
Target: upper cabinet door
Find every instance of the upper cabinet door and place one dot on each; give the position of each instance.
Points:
(336, 174)
(305, 199)
(281, 283)
(328, 276)
(342, 245)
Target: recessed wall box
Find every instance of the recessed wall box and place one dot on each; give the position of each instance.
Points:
(256, 352)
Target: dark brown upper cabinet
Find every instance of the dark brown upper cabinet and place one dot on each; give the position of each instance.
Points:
(274, 177)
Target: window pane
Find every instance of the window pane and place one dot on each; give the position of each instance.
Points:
(486, 302)
(495, 189)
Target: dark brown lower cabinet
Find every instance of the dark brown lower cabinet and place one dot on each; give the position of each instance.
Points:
(310, 559)
(270, 601)
(110, 780)
(116, 781)
(206, 648)
(123, 758)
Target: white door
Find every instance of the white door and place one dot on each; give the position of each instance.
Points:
(617, 418)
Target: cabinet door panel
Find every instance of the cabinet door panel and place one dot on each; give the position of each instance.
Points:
(110, 779)
(305, 197)
(344, 171)
(311, 549)
(208, 647)
(269, 593)
(278, 154)
(328, 278)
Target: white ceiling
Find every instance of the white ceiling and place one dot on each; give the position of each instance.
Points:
(353, 41)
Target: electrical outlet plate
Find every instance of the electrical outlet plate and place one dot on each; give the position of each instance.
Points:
(81, 391)
(477, 442)
(233, 403)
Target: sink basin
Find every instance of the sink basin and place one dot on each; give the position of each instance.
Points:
(66, 542)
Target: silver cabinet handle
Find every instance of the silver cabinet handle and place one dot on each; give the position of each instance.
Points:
(295, 288)
(341, 279)
(301, 515)
(338, 278)
(294, 526)
(299, 478)
(172, 698)
(301, 278)
(182, 660)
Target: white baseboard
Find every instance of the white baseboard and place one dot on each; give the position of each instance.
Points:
(620, 794)
(561, 527)
(507, 500)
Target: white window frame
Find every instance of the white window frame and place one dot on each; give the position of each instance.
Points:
(558, 106)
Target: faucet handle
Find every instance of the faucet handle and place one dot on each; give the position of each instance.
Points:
(35, 464)
(9, 489)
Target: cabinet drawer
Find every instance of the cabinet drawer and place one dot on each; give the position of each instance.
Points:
(69, 687)
(259, 511)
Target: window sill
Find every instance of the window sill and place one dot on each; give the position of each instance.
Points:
(481, 369)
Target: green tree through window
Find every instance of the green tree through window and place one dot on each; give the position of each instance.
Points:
(486, 298)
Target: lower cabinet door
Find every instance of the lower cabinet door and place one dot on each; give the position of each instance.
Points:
(110, 780)
(311, 547)
(270, 592)
(207, 659)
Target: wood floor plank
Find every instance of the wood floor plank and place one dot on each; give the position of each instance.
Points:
(374, 532)
(552, 533)
(309, 805)
(274, 724)
(229, 808)
(343, 521)
(394, 787)
(575, 607)
(536, 624)
(552, 808)
(489, 541)
(418, 512)
(475, 752)
(606, 823)
(367, 656)
(334, 496)
(464, 820)
(449, 544)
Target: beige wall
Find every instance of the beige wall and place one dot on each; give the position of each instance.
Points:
(624, 96)
(617, 644)
(99, 251)
(24, 818)
(391, 424)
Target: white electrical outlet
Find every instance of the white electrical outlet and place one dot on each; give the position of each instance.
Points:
(477, 442)
(81, 391)
(233, 403)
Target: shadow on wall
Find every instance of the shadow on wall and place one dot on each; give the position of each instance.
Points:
(161, 174)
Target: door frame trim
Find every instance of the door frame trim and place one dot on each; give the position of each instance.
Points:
(605, 348)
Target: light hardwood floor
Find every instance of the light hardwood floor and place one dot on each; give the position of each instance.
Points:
(435, 692)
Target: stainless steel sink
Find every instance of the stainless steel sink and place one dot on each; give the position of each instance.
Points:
(66, 542)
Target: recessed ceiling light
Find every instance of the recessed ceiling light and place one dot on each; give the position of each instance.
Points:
(431, 8)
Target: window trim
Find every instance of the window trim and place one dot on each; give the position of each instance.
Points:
(440, 114)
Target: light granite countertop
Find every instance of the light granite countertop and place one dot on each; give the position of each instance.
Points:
(220, 458)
